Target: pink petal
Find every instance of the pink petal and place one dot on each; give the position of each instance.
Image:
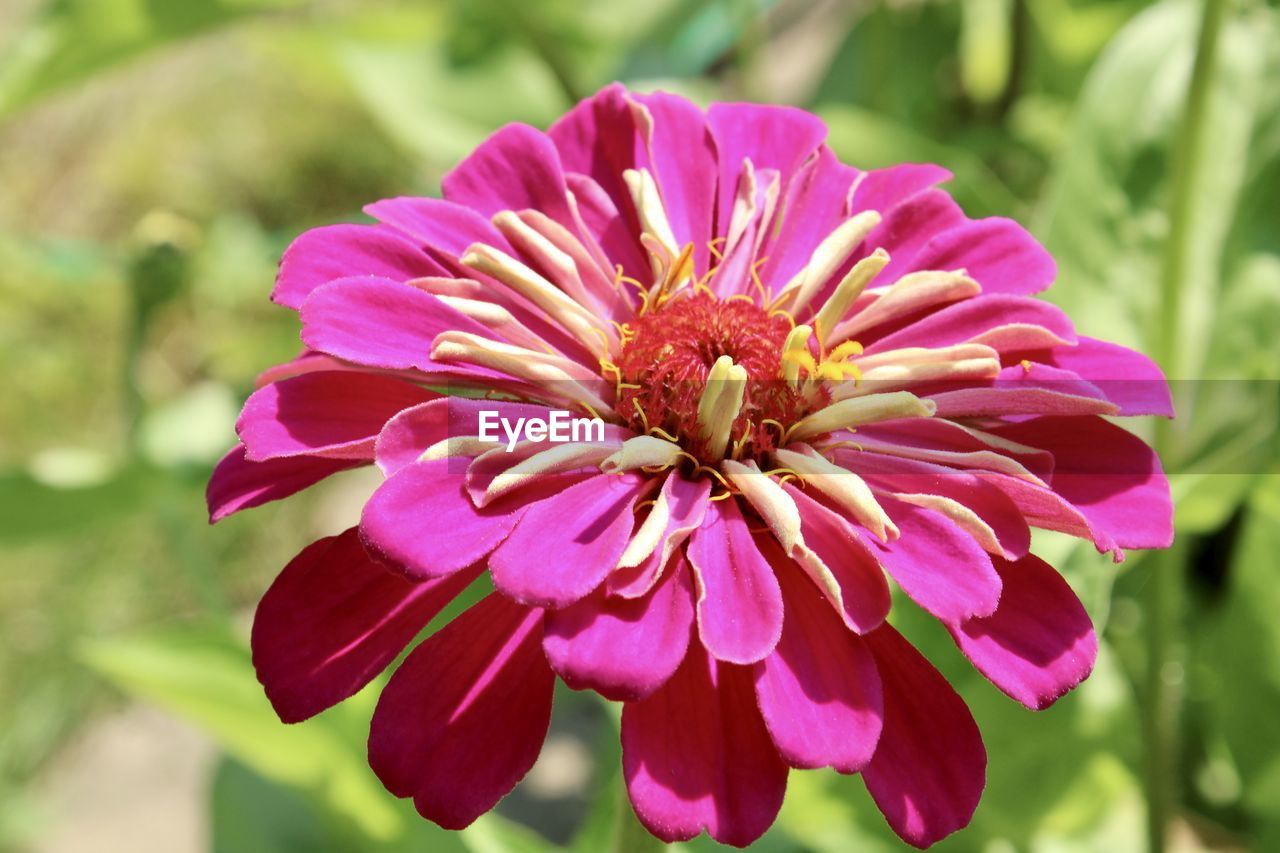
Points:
(937, 440)
(863, 587)
(819, 691)
(322, 255)
(929, 768)
(610, 227)
(598, 138)
(380, 323)
(687, 504)
(772, 137)
(623, 648)
(998, 253)
(907, 228)
(1033, 389)
(696, 756)
(333, 619)
(1128, 378)
(565, 545)
(409, 434)
(1039, 643)
(463, 718)
(964, 321)
(683, 156)
(516, 168)
(1110, 475)
(421, 521)
(884, 189)
(334, 413)
(1043, 508)
(739, 602)
(911, 476)
(444, 226)
(937, 564)
(237, 483)
(815, 205)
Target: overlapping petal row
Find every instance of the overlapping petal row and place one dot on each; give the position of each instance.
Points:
(815, 381)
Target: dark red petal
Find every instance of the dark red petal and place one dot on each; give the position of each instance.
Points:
(463, 718)
(930, 766)
(333, 619)
(696, 756)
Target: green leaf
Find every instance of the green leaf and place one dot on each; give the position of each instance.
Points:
(1105, 222)
(72, 40)
(871, 141)
(31, 509)
(250, 814)
(206, 677)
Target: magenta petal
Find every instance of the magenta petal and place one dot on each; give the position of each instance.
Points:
(819, 691)
(421, 521)
(969, 319)
(884, 189)
(1110, 475)
(985, 500)
(863, 588)
(517, 168)
(463, 718)
(1040, 641)
(772, 137)
(1128, 378)
(739, 601)
(380, 323)
(938, 564)
(237, 483)
(998, 253)
(815, 205)
(687, 504)
(623, 648)
(565, 545)
(683, 156)
(445, 226)
(930, 767)
(333, 619)
(332, 413)
(322, 255)
(696, 756)
(412, 432)
(906, 229)
(598, 138)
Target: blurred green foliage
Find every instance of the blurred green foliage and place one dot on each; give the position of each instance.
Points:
(156, 157)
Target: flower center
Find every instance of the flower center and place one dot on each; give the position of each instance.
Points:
(668, 355)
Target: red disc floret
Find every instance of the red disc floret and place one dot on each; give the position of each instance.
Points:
(665, 361)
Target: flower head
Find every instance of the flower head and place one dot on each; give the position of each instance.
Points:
(809, 380)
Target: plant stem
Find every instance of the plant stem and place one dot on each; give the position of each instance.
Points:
(1164, 586)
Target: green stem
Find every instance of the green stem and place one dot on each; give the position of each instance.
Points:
(1164, 585)
(629, 836)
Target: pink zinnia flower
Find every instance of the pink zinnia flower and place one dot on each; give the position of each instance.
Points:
(811, 377)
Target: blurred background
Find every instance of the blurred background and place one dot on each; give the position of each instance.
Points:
(155, 158)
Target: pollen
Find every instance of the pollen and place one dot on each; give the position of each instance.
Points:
(665, 365)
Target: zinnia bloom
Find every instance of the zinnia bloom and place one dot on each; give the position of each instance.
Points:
(813, 379)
